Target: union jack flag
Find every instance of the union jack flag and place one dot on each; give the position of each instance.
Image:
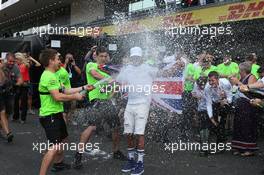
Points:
(171, 98)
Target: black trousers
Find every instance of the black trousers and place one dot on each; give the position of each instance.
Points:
(189, 106)
(21, 93)
(221, 112)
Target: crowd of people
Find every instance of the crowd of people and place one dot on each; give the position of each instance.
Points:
(213, 94)
(224, 91)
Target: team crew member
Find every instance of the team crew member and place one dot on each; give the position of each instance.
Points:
(64, 79)
(103, 108)
(228, 68)
(189, 102)
(13, 78)
(51, 97)
(137, 109)
(206, 66)
(254, 69)
(218, 94)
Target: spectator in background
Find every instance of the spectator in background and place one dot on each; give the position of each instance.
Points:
(21, 96)
(245, 120)
(13, 77)
(253, 59)
(73, 70)
(228, 68)
(32, 63)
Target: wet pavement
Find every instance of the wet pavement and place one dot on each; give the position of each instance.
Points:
(19, 158)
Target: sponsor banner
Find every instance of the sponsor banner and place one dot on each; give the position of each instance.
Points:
(205, 15)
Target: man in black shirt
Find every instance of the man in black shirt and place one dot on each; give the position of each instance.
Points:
(73, 70)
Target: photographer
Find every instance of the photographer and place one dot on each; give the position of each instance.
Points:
(73, 70)
(10, 76)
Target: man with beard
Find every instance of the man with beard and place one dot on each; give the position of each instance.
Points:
(13, 78)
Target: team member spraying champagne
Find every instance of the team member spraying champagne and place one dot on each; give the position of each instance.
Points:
(51, 97)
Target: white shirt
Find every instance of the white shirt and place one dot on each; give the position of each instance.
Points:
(213, 95)
(202, 99)
(138, 81)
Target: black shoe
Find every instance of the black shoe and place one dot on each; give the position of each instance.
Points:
(119, 155)
(9, 137)
(77, 161)
(60, 167)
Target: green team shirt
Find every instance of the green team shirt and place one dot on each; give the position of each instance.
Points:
(63, 77)
(190, 71)
(95, 94)
(48, 82)
(254, 70)
(201, 72)
(227, 70)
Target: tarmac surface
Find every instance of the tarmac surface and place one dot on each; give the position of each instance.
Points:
(22, 158)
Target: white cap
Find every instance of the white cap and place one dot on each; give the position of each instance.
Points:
(136, 51)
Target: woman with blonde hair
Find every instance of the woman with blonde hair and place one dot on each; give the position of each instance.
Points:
(21, 92)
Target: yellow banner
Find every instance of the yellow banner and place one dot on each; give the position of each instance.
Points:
(208, 15)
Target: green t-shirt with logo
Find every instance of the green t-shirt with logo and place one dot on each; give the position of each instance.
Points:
(63, 77)
(227, 70)
(190, 71)
(254, 70)
(95, 94)
(48, 82)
